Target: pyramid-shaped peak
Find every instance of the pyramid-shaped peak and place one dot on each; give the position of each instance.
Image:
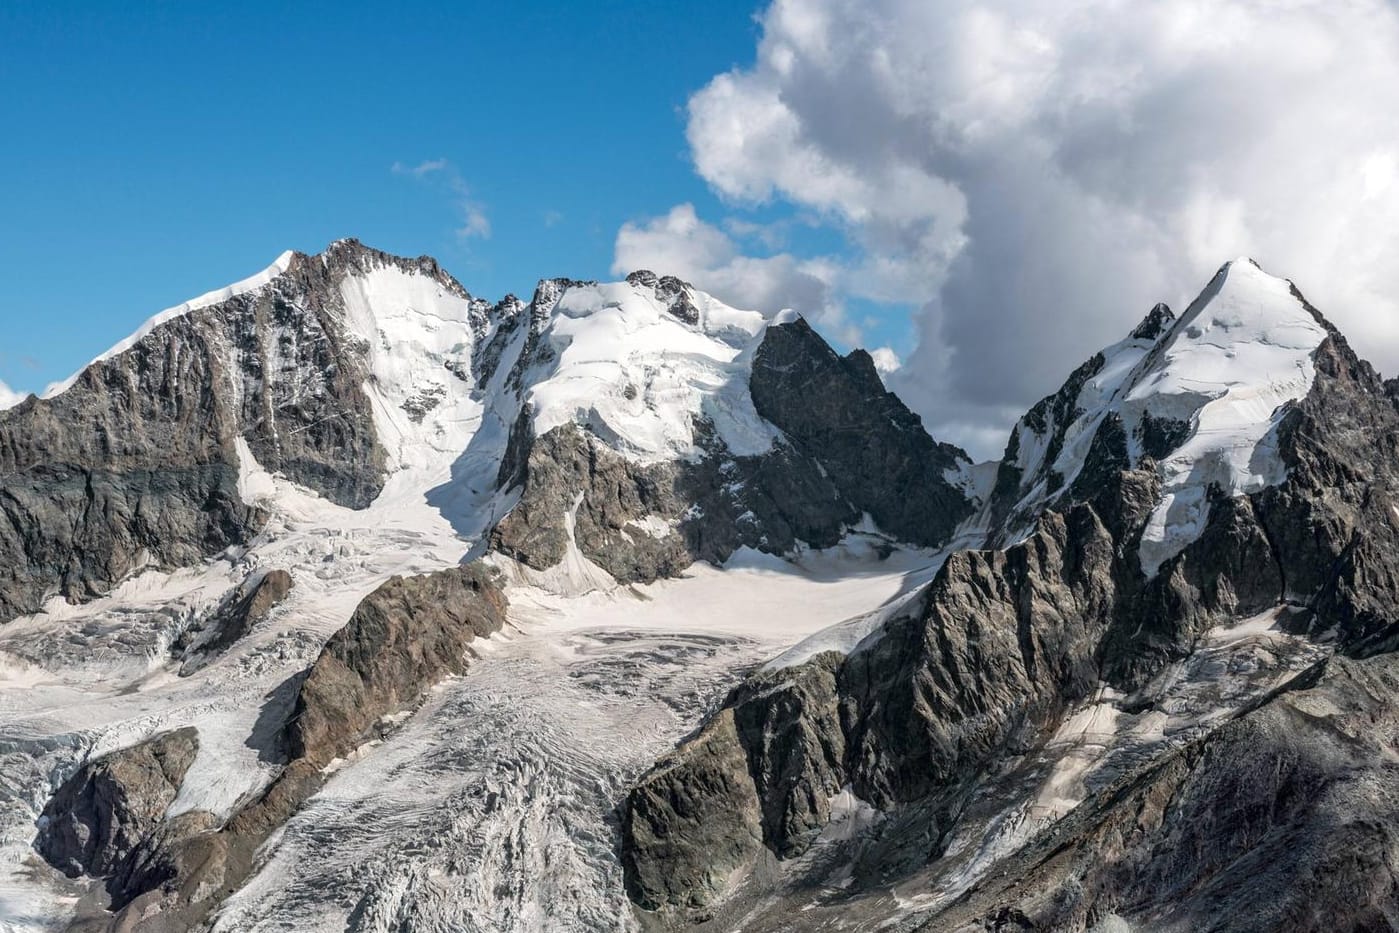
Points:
(1245, 304)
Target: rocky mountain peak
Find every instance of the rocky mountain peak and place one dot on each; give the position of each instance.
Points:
(1157, 321)
(1198, 397)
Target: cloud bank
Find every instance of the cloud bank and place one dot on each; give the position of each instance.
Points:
(1030, 178)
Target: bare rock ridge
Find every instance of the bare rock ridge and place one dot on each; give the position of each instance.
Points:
(929, 719)
(836, 411)
(166, 875)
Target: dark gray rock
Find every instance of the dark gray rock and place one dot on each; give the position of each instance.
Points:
(136, 466)
(233, 618)
(1006, 642)
(573, 480)
(1283, 819)
(836, 412)
(1156, 323)
(111, 805)
(1050, 418)
(677, 853)
(1003, 642)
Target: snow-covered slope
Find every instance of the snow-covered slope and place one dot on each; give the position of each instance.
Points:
(620, 362)
(446, 400)
(445, 378)
(1202, 396)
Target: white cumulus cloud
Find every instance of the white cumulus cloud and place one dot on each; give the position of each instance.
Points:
(680, 243)
(9, 398)
(1031, 177)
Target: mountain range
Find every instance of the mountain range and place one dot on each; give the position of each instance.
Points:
(341, 599)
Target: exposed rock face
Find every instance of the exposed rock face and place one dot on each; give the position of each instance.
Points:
(577, 491)
(105, 811)
(641, 522)
(135, 465)
(1280, 820)
(404, 637)
(244, 608)
(1004, 642)
(682, 850)
(1007, 643)
(678, 853)
(836, 411)
(1031, 474)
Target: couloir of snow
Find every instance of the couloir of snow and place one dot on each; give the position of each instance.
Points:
(1228, 368)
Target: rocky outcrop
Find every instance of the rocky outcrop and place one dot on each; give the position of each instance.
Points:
(771, 758)
(1007, 642)
(1003, 643)
(234, 617)
(405, 636)
(644, 521)
(135, 465)
(1282, 819)
(113, 804)
(836, 412)
(578, 492)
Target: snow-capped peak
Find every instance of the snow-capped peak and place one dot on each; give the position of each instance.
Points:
(638, 364)
(1200, 396)
(1242, 352)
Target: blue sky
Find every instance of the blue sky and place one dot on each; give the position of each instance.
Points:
(159, 150)
(984, 192)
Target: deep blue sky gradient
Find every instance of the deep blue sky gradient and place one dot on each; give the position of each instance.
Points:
(157, 150)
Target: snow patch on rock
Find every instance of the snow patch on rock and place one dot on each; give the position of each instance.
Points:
(1224, 373)
(1230, 366)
